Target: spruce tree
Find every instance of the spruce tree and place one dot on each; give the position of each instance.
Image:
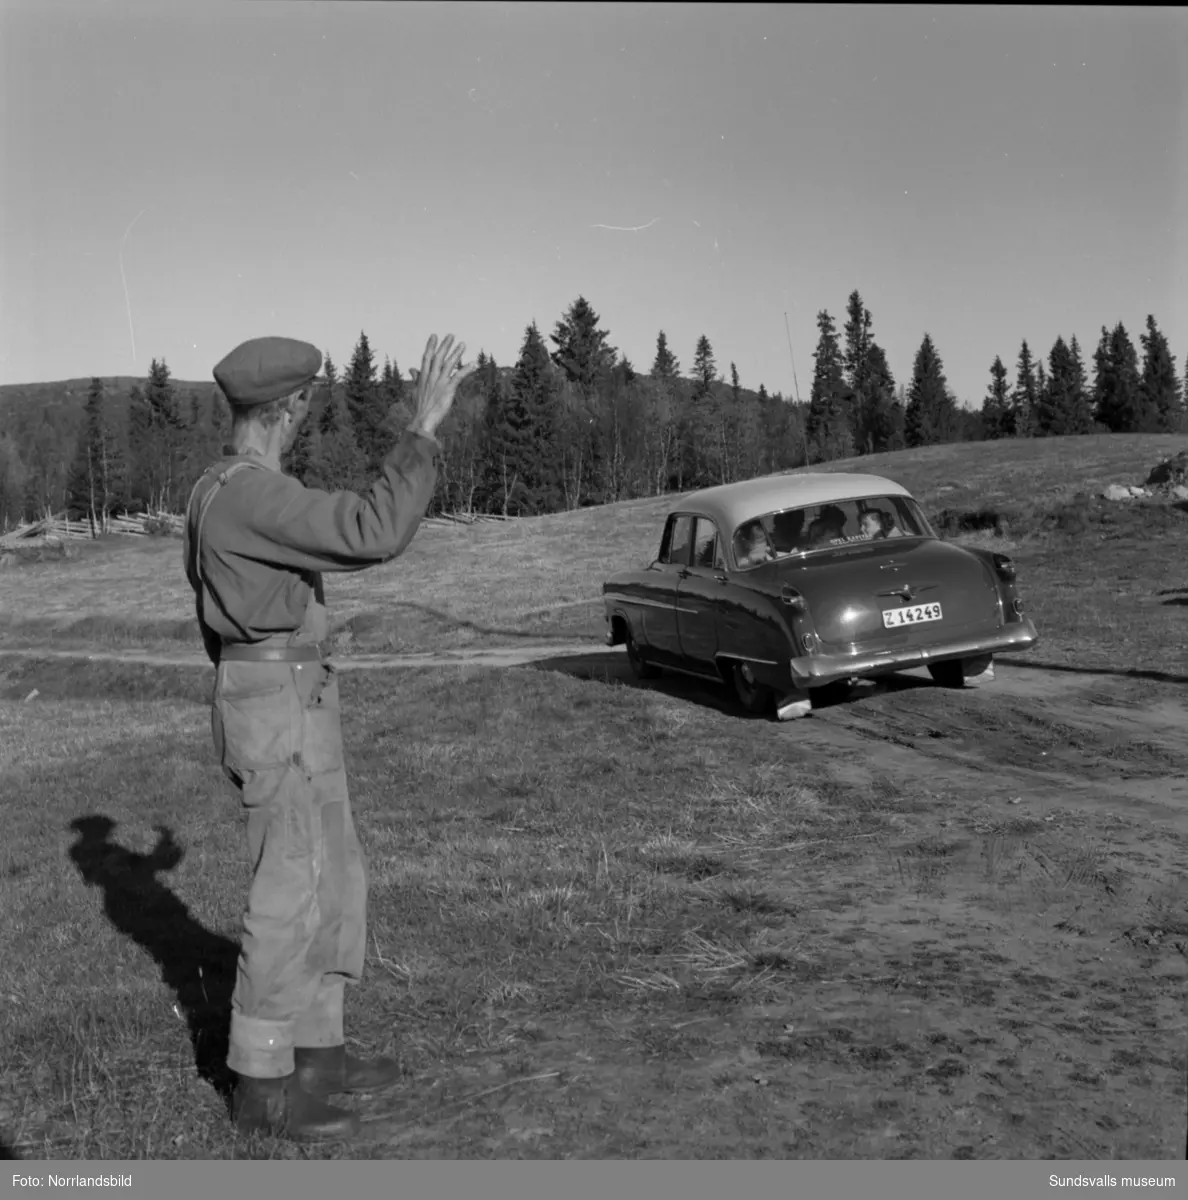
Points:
(665, 365)
(582, 353)
(1117, 394)
(531, 422)
(704, 427)
(828, 425)
(1041, 387)
(155, 442)
(1159, 385)
(859, 342)
(1057, 406)
(501, 481)
(90, 484)
(930, 415)
(340, 464)
(883, 416)
(1101, 371)
(395, 400)
(584, 362)
(1023, 398)
(1080, 411)
(705, 368)
(734, 427)
(665, 424)
(997, 415)
(365, 403)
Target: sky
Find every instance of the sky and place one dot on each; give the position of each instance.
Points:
(180, 177)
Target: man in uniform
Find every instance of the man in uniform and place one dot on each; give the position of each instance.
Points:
(256, 543)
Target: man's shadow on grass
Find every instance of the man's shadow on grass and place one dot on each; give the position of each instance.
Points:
(197, 965)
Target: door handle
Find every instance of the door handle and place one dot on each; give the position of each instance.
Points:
(721, 579)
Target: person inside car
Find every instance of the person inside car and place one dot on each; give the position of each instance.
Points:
(830, 524)
(877, 523)
(870, 524)
(889, 528)
(786, 531)
(751, 546)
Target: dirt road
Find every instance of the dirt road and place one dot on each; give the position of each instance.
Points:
(1057, 735)
(498, 656)
(1060, 735)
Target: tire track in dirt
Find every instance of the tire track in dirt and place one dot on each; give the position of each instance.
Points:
(981, 740)
(1006, 738)
(496, 656)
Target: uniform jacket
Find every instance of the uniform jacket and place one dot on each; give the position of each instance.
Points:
(267, 539)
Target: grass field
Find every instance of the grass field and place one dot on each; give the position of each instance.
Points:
(541, 577)
(613, 921)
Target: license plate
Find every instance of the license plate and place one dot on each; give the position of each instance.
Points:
(913, 614)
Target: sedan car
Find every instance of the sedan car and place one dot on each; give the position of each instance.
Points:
(792, 587)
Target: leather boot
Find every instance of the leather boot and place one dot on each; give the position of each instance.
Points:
(326, 1070)
(282, 1107)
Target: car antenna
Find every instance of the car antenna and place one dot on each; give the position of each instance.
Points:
(796, 385)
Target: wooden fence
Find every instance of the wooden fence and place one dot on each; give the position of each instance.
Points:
(59, 529)
(446, 519)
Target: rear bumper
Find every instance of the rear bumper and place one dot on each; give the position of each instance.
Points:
(814, 670)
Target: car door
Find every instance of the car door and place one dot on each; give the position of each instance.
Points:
(699, 594)
(659, 610)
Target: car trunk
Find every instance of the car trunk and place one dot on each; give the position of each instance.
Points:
(849, 590)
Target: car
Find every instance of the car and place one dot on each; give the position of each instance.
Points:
(793, 587)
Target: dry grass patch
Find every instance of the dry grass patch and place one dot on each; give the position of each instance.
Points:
(581, 928)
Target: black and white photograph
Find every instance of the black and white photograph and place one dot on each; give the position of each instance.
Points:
(594, 582)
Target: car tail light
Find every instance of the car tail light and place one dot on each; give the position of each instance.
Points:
(1017, 605)
(1004, 566)
(808, 641)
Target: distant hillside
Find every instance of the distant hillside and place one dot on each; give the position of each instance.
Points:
(64, 399)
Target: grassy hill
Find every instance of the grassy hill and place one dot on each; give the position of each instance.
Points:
(541, 577)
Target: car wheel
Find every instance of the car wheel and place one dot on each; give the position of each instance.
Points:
(640, 666)
(752, 695)
(829, 694)
(947, 674)
(957, 672)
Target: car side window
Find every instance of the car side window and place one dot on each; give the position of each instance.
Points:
(707, 546)
(675, 550)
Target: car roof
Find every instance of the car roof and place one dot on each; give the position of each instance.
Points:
(731, 504)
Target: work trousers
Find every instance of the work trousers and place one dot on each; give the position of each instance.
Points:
(278, 733)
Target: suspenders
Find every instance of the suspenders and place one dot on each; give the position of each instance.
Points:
(194, 566)
(217, 651)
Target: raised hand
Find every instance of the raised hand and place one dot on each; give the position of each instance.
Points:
(437, 382)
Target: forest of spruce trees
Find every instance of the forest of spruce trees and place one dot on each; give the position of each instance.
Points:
(579, 425)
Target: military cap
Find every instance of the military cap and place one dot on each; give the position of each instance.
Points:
(265, 369)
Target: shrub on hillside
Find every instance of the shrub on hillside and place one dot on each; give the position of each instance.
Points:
(159, 527)
(952, 521)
